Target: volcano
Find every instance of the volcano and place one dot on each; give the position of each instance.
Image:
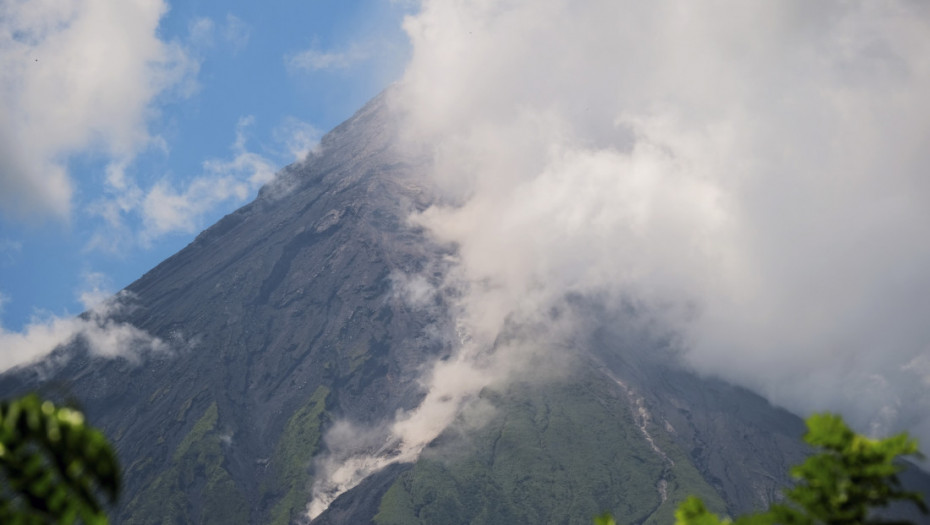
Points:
(288, 338)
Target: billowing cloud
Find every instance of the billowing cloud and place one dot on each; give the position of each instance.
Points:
(79, 75)
(751, 176)
(752, 173)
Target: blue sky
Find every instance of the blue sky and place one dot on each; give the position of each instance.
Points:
(161, 117)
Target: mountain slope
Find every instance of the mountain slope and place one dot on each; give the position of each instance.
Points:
(285, 318)
(280, 308)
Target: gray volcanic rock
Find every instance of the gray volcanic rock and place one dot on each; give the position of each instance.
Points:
(285, 316)
(287, 294)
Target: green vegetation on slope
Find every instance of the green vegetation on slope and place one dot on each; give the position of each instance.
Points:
(196, 477)
(290, 463)
(554, 454)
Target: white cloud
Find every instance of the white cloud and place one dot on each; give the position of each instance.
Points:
(752, 173)
(751, 176)
(97, 329)
(79, 75)
(95, 290)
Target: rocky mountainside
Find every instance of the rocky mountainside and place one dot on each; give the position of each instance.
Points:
(284, 318)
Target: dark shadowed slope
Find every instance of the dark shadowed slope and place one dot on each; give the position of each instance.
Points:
(284, 317)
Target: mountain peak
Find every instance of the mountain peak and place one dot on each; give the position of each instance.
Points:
(302, 327)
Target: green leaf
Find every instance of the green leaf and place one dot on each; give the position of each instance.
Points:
(56, 466)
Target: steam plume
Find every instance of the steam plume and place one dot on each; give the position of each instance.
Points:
(755, 172)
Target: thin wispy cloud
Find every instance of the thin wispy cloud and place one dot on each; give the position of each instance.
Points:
(236, 33)
(97, 330)
(232, 33)
(133, 215)
(202, 32)
(298, 138)
(167, 208)
(313, 59)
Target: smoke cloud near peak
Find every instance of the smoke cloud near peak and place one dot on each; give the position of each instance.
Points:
(756, 172)
(753, 175)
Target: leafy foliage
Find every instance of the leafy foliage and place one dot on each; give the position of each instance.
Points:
(293, 454)
(196, 487)
(53, 465)
(842, 485)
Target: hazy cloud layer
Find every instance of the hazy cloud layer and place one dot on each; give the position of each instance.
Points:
(755, 174)
(78, 75)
